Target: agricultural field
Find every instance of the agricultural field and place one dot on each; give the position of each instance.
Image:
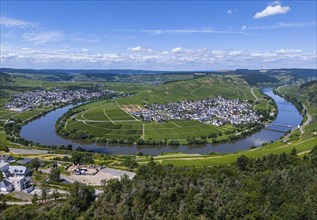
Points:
(111, 119)
(303, 143)
(199, 88)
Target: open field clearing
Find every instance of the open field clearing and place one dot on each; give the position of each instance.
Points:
(104, 174)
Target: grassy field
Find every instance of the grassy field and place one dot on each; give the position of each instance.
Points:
(110, 119)
(302, 147)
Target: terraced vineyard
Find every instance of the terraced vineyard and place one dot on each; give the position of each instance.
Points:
(111, 120)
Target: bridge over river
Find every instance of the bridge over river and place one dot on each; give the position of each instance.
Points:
(280, 127)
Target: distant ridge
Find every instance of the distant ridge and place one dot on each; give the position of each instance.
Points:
(253, 77)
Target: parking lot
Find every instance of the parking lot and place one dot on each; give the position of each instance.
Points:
(104, 174)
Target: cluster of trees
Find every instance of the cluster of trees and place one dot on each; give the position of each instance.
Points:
(82, 157)
(12, 128)
(4, 148)
(193, 140)
(128, 141)
(77, 202)
(150, 141)
(272, 187)
(75, 134)
(130, 162)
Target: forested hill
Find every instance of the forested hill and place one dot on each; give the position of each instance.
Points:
(273, 187)
(253, 77)
(310, 90)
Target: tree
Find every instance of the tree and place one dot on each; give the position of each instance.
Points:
(55, 195)
(3, 202)
(44, 191)
(242, 162)
(35, 199)
(294, 152)
(35, 164)
(55, 174)
(130, 162)
(1, 176)
(82, 158)
(313, 155)
(69, 147)
(81, 196)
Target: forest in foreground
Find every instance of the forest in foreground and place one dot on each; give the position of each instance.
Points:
(280, 186)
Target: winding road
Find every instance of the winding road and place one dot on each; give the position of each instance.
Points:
(256, 98)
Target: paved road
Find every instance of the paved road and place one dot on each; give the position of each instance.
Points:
(27, 151)
(307, 122)
(29, 202)
(112, 121)
(19, 203)
(256, 98)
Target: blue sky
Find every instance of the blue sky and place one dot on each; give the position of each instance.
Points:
(162, 35)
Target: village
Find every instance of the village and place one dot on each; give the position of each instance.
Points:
(38, 98)
(216, 111)
(17, 174)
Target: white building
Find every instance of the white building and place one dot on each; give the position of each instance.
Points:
(6, 186)
(19, 182)
(4, 166)
(19, 170)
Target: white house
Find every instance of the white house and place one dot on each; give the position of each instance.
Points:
(4, 166)
(19, 182)
(19, 170)
(6, 186)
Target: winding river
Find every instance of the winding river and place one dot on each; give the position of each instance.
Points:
(42, 131)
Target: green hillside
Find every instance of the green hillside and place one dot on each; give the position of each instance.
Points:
(199, 88)
(108, 120)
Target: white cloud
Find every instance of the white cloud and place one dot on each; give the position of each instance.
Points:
(180, 59)
(136, 49)
(11, 22)
(243, 28)
(285, 25)
(232, 11)
(85, 50)
(139, 49)
(289, 51)
(176, 50)
(207, 30)
(275, 3)
(44, 37)
(272, 10)
(86, 40)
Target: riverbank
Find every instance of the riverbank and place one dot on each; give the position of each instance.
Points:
(43, 131)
